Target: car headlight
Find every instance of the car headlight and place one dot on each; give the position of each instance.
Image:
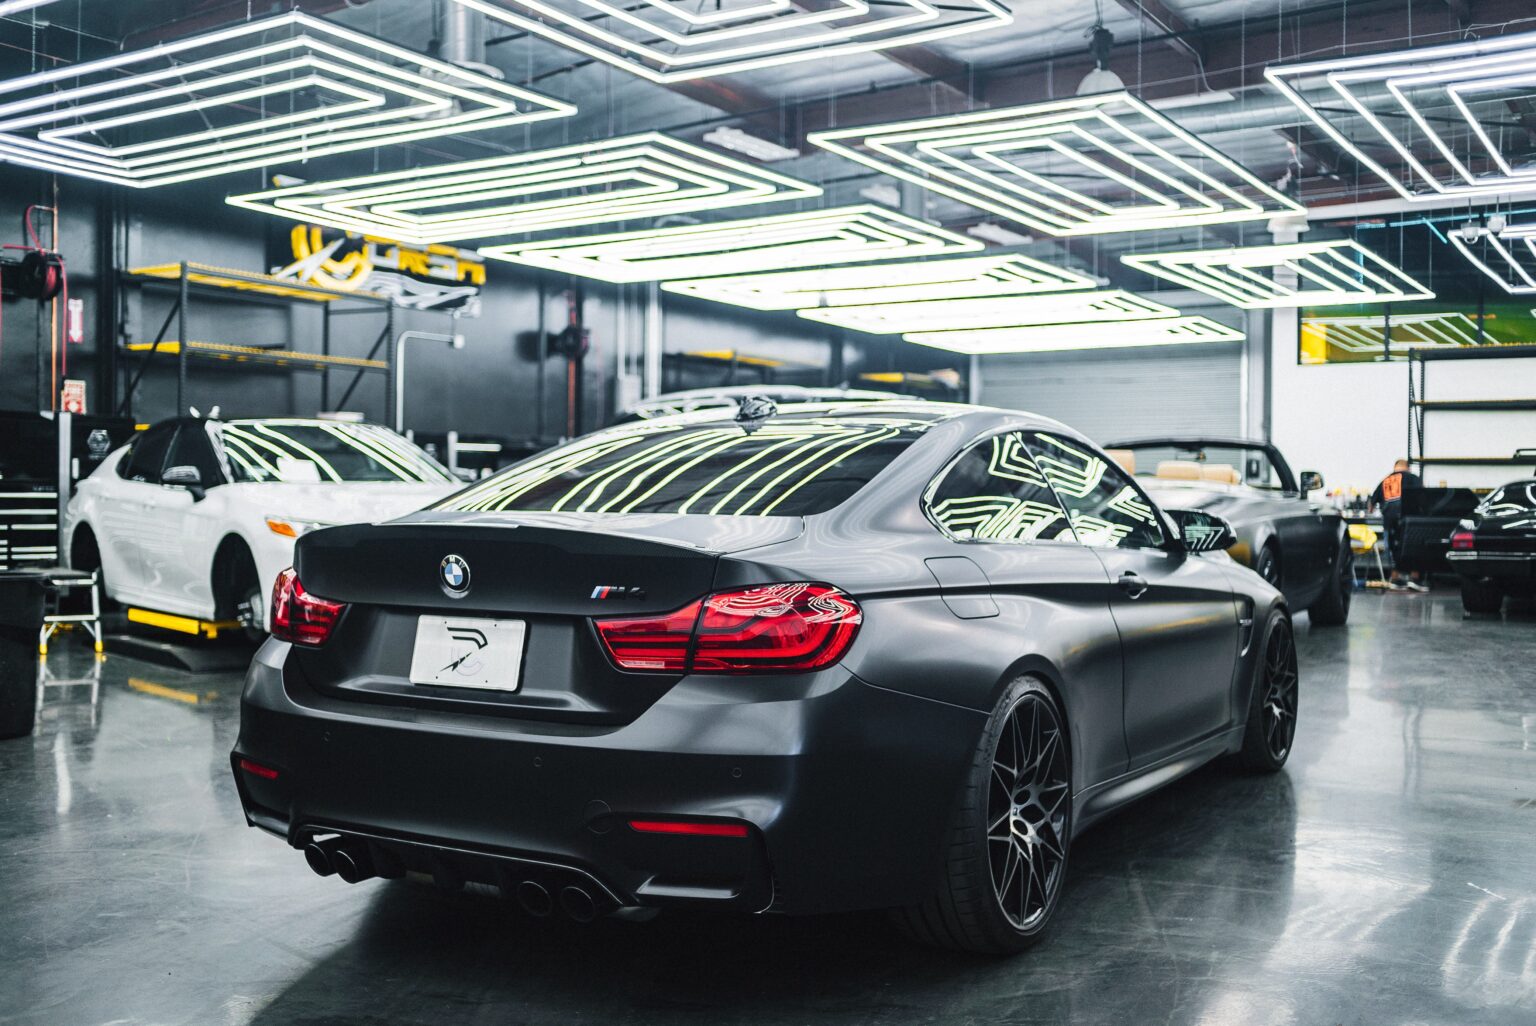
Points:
(290, 527)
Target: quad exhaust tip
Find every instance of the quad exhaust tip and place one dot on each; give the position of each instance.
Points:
(335, 856)
(321, 855)
(535, 899)
(577, 903)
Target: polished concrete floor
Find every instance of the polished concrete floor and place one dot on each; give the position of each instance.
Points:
(1387, 878)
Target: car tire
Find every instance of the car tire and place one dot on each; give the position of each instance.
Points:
(1332, 608)
(1270, 732)
(246, 598)
(1267, 565)
(18, 682)
(984, 901)
(1477, 597)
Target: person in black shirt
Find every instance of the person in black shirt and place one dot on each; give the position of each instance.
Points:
(1388, 497)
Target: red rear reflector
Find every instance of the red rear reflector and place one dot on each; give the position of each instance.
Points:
(1463, 541)
(774, 628)
(300, 617)
(258, 770)
(669, 826)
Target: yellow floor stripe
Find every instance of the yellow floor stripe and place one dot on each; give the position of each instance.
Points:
(149, 687)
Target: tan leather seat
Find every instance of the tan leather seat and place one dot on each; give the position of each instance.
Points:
(1179, 470)
(1221, 473)
(1125, 457)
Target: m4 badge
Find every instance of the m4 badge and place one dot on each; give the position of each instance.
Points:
(614, 591)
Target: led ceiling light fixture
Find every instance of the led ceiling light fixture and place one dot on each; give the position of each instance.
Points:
(674, 41)
(1513, 269)
(8, 7)
(1325, 274)
(1168, 331)
(842, 235)
(734, 139)
(1433, 107)
(1079, 166)
(610, 180)
(963, 278)
(1099, 307)
(291, 87)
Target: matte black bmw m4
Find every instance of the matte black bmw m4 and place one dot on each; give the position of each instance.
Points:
(835, 657)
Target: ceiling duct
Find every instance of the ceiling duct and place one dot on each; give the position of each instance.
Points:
(462, 31)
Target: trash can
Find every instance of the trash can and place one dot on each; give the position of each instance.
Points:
(22, 594)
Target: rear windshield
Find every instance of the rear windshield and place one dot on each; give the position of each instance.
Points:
(794, 465)
(1511, 500)
(306, 452)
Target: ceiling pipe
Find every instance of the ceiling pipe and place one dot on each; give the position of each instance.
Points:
(462, 31)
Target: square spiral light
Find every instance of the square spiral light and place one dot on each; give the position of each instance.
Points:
(1166, 331)
(263, 92)
(1433, 106)
(611, 180)
(1324, 274)
(842, 235)
(1510, 260)
(677, 40)
(1080, 166)
(1097, 307)
(963, 278)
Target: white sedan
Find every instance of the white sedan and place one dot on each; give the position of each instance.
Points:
(197, 517)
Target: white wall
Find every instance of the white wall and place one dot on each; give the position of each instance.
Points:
(1350, 420)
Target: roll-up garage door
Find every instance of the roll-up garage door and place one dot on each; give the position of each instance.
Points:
(1192, 389)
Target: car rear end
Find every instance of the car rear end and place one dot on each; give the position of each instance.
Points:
(1497, 548)
(590, 710)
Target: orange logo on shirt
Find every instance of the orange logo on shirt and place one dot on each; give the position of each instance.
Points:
(1392, 487)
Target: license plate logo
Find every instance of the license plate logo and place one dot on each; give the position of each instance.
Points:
(468, 653)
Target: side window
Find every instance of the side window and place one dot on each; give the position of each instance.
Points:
(192, 448)
(1106, 509)
(147, 457)
(995, 492)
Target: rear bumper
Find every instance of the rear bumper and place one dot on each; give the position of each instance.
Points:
(1505, 568)
(846, 788)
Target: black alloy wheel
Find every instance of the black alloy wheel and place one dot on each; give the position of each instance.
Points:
(1008, 842)
(1271, 729)
(1331, 609)
(1028, 806)
(1268, 565)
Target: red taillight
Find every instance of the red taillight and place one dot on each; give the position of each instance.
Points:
(775, 628)
(653, 644)
(1463, 541)
(258, 770)
(300, 617)
(688, 828)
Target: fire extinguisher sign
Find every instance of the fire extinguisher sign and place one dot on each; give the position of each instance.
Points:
(73, 398)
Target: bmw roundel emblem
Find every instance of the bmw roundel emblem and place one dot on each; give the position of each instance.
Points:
(454, 573)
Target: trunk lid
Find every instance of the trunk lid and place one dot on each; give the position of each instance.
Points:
(554, 572)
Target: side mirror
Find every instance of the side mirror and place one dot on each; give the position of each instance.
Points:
(1202, 531)
(1311, 481)
(187, 477)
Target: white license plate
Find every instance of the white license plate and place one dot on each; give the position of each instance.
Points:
(464, 653)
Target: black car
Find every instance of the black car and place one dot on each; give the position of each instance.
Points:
(1494, 551)
(846, 656)
(1293, 541)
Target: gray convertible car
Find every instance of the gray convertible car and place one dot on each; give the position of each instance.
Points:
(830, 657)
(1299, 545)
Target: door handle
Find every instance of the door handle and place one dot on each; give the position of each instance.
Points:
(1132, 584)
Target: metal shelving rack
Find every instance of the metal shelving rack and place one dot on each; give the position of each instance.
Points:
(188, 279)
(1419, 405)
